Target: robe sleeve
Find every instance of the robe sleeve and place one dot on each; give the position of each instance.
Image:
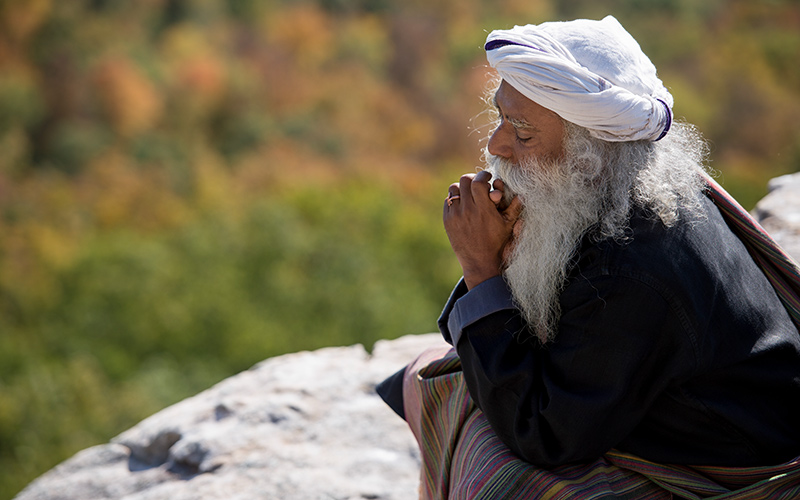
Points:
(465, 307)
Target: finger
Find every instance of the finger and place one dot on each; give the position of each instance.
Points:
(514, 210)
(453, 190)
(450, 200)
(453, 195)
(465, 185)
(498, 194)
(483, 176)
(480, 185)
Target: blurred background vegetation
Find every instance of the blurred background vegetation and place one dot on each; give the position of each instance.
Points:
(190, 186)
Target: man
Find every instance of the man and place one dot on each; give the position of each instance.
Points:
(606, 303)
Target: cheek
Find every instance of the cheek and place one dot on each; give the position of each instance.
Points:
(555, 142)
(545, 150)
(558, 152)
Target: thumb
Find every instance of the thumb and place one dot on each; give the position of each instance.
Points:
(496, 196)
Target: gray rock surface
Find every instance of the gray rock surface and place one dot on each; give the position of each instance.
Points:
(302, 426)
(779, 212)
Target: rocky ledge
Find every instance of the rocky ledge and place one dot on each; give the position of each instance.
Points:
(779, 212)
(303, 426)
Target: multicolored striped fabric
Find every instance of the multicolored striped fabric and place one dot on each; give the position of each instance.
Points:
(462, 458)
(782, 271)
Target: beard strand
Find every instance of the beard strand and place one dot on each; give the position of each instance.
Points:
(561, 203)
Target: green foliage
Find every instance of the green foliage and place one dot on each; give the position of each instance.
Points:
(20, 102)
(188, 187)
(230, 290)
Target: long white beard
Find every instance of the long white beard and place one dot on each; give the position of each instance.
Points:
(592, 189)
(562, 201)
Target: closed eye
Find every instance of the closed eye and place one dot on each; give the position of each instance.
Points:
(523, 139)
(523, 130)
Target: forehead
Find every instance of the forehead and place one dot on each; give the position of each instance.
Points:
(515, 106)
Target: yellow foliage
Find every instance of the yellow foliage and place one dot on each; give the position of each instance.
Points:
(199, 84)
(129, 99)
(21, 263)
(366, 36)
(198, 73)
(285, 163)
(528, 11)
(121, 195)
(15, 146)
(184, 41)
(55, 247)
(211, 182)
(305, 32)
(203, 77)
(21, 18)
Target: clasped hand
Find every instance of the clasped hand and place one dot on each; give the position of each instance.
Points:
(480, 226)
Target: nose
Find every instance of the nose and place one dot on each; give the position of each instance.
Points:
(499, 143)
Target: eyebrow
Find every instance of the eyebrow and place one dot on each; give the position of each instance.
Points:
(515, 122)
(520, 124)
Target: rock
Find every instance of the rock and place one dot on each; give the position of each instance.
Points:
(779, 212)
(302, 426)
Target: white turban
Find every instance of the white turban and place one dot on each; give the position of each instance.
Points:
(591, 73)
